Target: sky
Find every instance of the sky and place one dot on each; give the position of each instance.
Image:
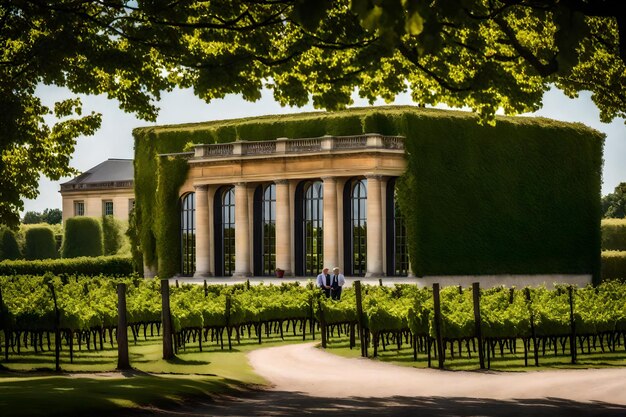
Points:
(114, 138)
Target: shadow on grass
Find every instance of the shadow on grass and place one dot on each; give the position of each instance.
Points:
(290, 404)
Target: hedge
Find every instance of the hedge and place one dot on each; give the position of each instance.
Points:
(522, 197)
(111, 235)
(40, 244)
(614, 265)
(92, 266)
(9, 249)
(614, 234)
(83, 237)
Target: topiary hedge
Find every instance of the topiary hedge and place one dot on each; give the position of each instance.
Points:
(9, 248)
(111, 235)
(614, 234)
(83, 237)
(40, 244)
(521, 197)
(92, 266)
(614, 265)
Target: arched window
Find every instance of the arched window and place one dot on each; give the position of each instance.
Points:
(188, 234)
(224, 226)
(355, 227)
(265, 230)
(397, 248)
(309, 228)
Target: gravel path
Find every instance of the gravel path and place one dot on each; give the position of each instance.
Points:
(308, 381)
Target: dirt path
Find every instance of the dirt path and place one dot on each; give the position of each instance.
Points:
(308, 381)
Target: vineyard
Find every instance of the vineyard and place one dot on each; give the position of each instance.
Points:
(39, 312)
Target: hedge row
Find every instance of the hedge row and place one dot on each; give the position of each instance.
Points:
(92, 266)
(614, 234)
(521, 197)
(614, 265)
(83, 237)
(40, 244)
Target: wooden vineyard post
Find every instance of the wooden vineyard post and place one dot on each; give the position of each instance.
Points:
(380, 282)
(57, 333)
(533, 334)
(322, 324)
(166, 318)
(206, 289)
(359, 317)
(478, 324)
(228, 328)
(439, 341)
(5, 323)
(123, 361)
(572, 320)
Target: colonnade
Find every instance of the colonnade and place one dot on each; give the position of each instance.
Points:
(285, 224)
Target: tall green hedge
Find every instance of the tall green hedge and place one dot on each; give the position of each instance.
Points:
(9, 248)
(40, 244)
(111, 235)
(614, 234)
(83, 237)
(521, 197)
(614, 265)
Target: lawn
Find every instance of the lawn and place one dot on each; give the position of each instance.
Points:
(29, 387)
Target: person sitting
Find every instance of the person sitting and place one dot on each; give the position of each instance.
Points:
(323, 282)
(337, 281)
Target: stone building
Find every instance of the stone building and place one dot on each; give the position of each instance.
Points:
(250, 207)
(106, 189)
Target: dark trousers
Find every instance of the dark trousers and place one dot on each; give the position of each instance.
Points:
(335, 293)
(326, 291)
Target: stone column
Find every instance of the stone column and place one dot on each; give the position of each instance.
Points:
(283, 227)
(242, 232)
(374, 227)
(331, 258)
(202, 231)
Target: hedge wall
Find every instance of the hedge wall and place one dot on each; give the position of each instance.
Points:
(40, 244)
(83, 237)
(111, 235)
(614, 265)
(91, 266)
(9, 248)
(614, 234)
(521, 197)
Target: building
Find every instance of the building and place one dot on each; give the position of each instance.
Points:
(296, 193)
(106, 189)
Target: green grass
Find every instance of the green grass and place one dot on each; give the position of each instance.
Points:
(29, 387)
(510, 362)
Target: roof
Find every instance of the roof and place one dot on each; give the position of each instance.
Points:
(107, 171)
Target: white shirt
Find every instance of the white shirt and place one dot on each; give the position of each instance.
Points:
(340, 278)
(321, 280)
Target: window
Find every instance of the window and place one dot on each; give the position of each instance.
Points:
(397, 248)
(79, 208)
(107, 208)
(355, 227)
(188, 234)
(269, 230)
(313, 227)
(224, 226)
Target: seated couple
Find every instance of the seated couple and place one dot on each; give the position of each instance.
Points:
(331, 284)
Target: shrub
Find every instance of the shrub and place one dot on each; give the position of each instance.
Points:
(112, 238)
(614, 265)
(614, 234)
(40, 243)
(91, 266)
(9, 248)
(83, 237)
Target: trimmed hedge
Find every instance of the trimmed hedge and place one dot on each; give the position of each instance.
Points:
(614, 265)
(83, 237)
(9, 248)
(111, 235)
(522, 197)
(614, 234)
(103, 265)
(40, 244)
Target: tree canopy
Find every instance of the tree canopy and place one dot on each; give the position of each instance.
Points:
(614, 204)
(483, 54)
(50, 216)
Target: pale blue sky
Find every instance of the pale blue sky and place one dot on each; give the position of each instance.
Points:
(114, 139)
